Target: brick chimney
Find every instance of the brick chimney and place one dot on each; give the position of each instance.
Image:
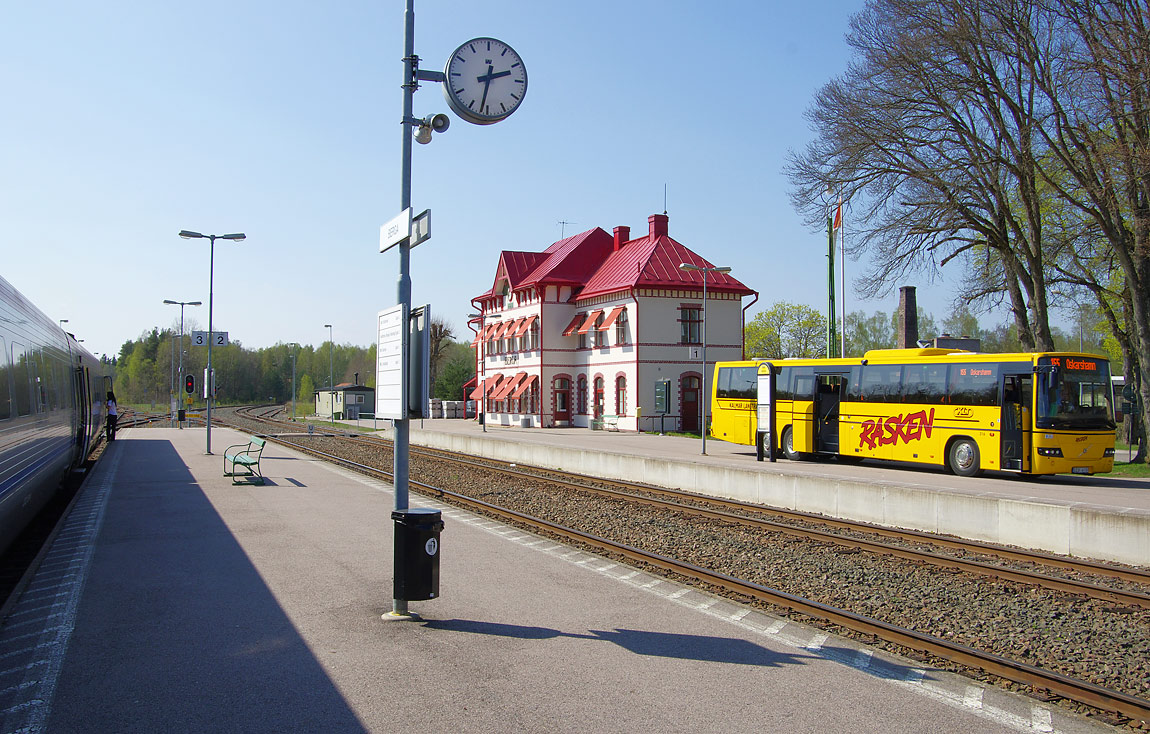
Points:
(907, 337)
(658, 224)
(622, 234)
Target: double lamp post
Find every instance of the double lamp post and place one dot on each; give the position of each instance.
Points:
(209, 382)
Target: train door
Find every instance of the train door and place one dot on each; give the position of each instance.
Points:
(830, 390)
(1016, 391)
(83, 410)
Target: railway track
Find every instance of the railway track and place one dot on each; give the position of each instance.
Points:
(1040, 679)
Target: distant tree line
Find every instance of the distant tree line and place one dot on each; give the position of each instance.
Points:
(797, 330)
(146, 368)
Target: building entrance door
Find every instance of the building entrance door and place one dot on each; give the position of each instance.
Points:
(690, 410)
(562, 413)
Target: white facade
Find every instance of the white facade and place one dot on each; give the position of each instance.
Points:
(561, 367)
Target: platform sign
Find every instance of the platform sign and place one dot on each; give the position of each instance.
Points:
(395, 231)
(390, 333)
(694, 353)
(200, 338)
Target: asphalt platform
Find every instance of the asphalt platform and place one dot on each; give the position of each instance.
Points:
(172, 600)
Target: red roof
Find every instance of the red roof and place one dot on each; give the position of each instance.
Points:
(571, 260)
(589, 259)
(654, 262)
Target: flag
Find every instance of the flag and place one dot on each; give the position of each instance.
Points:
(839, 216)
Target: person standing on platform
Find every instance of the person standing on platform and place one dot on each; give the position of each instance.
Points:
(113, 414)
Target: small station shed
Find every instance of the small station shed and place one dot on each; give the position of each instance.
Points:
(345, 401)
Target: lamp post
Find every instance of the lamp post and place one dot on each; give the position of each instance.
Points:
(181, 304)
(482, 402)
(209, 387)
(331, 370)
(706, 395)
(294, 346)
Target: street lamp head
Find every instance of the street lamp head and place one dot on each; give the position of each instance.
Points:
(190, 235)
(721, 270)
(688, 266)
(237, 236)
(194, 303)
(171, 303)
(327, 326)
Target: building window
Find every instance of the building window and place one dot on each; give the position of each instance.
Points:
(581, 396)
(600, 336)
(621, 395)
(598, 398)
(533, 335)
(691, 325)
(621, 328)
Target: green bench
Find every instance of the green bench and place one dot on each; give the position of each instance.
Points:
(245, 457)
(606, 422)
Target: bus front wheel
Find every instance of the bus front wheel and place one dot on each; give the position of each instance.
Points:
(963, 458)
(789, 445)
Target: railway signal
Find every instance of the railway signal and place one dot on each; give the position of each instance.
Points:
(190, 384)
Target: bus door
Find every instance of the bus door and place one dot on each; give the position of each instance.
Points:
(1015, 431)
(830, 389)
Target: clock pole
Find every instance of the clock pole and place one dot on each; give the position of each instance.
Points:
(403, 290)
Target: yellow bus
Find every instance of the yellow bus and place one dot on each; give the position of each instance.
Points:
(1030, 413)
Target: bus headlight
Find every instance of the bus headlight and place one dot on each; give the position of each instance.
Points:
(1043, 451)
(1108, 454)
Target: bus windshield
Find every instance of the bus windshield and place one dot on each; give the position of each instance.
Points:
(1074, 393)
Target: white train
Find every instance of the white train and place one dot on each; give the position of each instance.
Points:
(52, 408)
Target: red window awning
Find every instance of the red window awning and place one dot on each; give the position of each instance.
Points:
(508, 385)
(590, 322)
(499, 329)
(477, 392)
(571, 327)
(525, 386)
(513, 330)
(527, 322)
(610, 320)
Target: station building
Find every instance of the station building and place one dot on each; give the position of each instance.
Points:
(581, 333)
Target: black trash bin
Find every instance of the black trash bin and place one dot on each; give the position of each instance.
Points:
(416, 572)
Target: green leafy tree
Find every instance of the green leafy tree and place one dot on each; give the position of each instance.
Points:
(306, 395)
(787, 330)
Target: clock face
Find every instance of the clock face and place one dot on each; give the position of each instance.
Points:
(485, 81)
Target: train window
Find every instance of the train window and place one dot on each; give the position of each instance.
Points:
(924, 383)
(21, 381)
(737, 383)
(974, 384)
(5, 389)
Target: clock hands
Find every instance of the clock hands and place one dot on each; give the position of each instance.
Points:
(487, 78)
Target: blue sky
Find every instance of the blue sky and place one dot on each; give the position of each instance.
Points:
(127, 122)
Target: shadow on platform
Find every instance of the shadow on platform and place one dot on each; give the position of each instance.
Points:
(176, 629)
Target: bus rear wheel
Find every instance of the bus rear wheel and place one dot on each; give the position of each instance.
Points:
(789, 445)
(963, 458)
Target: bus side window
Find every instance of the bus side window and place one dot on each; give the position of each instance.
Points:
(881, 383)
(804, 383)
(783, 384)
(854, 389)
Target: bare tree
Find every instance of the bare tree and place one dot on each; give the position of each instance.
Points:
(1098, 93)
(932, 132)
